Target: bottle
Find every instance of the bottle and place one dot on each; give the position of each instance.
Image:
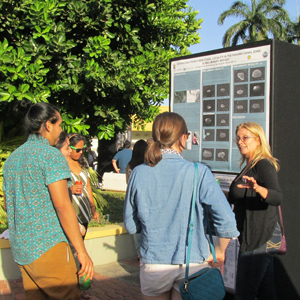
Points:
(84, 285)
(78, 183)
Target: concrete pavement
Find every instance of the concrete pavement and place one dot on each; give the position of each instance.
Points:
(119, 280)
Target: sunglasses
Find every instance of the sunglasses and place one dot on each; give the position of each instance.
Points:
(78, 149)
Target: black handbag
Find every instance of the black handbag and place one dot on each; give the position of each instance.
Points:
(206, 284)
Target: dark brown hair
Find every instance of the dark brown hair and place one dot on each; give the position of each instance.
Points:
(167, 130)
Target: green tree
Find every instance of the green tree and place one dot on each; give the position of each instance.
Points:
(293, 32)
(100, 61)
(262, 19)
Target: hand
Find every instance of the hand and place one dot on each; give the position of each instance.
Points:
(250, 183)
(87, 266)
(118, 170)
(220, 261)
(96, 216)
(76, 189)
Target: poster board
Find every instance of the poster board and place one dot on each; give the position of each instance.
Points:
(214, 92)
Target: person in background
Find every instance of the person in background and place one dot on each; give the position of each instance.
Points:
(157, 204)
(138, 157)
(41, 218)
(122, 157)
(82, 195)
(256, 195)
(92, 157)
(63, 145)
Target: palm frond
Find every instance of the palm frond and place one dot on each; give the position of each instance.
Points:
(100, 202)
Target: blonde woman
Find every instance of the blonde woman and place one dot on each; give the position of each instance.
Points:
(256, 195)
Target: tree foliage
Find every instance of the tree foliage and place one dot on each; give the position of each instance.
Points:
(263, 19)
(99, 61)
(294, 32)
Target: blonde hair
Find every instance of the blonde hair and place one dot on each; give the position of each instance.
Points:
(263, 150)
(167, 130)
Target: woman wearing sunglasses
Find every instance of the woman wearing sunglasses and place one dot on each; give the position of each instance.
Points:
(82, 195)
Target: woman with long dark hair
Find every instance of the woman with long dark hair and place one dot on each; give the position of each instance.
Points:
(138, 157)
(82, 195)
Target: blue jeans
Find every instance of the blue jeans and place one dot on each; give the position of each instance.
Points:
(255, 273)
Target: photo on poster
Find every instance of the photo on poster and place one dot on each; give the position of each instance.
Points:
(208, 91)
(209, 106)
(240, 106)
(208, 135)
(207, 154)
(193, 96)
(241, 75)
(180, 97)
(223, 105)
(257, 89)
(223, 90)
(240, 90)
(208, 120)
(195, 138)
(257, 74)
(188, 145)
(222, 135)
(257, 106)
(221, 154)
(223, 120)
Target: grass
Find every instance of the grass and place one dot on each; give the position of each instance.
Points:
(114, 208)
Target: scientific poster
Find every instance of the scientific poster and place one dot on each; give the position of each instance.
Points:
(216, 92)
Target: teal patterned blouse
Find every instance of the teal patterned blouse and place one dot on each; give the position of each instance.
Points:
(33, 224)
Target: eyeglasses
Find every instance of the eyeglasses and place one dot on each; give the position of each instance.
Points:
(243, 139)
(78, 149)
(187, 134)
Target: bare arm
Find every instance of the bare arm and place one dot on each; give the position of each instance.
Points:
(91, 200)
(220, 248)
(67, 217)
(114, 163)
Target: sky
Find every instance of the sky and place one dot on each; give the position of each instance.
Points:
(211, 33)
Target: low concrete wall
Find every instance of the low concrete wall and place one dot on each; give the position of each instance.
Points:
(114, 182)
(104, 244)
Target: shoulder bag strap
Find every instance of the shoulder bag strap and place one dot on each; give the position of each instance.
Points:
(281, 221)
(191, 227)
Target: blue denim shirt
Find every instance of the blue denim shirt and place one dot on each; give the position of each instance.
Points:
(157, 204)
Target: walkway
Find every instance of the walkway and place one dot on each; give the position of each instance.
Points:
(111, 281)
(119, 280)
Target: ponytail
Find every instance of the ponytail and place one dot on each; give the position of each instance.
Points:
(167, 130)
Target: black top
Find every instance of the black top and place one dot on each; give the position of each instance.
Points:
(256, 217)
